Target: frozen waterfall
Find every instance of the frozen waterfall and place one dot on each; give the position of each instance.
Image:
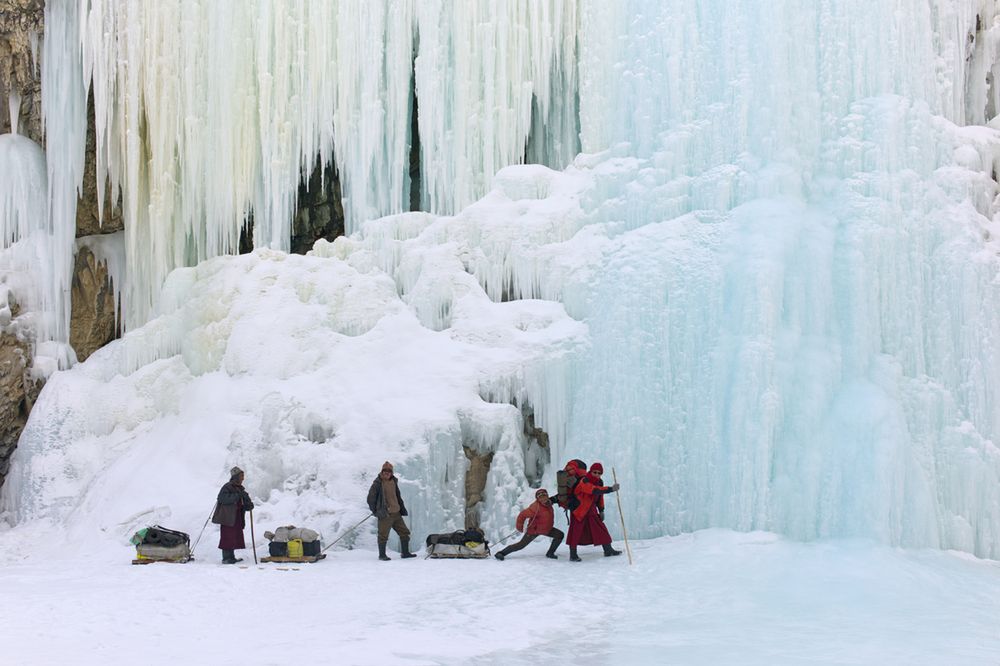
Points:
(766, 291)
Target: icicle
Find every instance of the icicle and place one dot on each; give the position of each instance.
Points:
(14, 104)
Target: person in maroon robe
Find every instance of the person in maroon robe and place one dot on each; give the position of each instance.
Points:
(230, 515)
(586, 526)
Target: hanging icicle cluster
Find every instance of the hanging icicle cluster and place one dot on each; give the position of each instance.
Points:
(208, 112)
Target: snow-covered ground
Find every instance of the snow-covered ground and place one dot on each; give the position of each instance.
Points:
(712, 597)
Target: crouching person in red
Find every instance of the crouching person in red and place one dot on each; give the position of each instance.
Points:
(540, 519)
(586, 527)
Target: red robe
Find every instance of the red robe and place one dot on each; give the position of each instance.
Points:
(585, 525)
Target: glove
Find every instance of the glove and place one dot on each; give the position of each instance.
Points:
(615, 488)
(601, 514)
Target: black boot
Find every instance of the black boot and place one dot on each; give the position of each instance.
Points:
(573, 557)
(404, 546)
(551, 554)
(609, 551)
(229, 557)
(381, 553)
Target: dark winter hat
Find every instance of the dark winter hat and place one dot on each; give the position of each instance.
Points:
(235, 473)
(541, 491)
(387, 466)
(597, 468)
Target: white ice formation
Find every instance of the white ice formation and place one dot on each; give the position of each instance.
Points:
(779, 235)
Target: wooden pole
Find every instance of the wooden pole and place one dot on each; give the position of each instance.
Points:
(621, 514)
(253, 539)
(198, 540)
(349, 530)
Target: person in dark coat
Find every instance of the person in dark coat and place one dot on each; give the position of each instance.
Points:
(540, 518)
(586, 526)
(230, 515)
(386, 503)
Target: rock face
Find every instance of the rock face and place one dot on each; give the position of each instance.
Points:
(321, 212)
(475, 483)
(20, 20)
(17, 391)
(92, 323)
(88, 221)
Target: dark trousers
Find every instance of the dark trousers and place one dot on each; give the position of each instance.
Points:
(556, 534)
(392, 521)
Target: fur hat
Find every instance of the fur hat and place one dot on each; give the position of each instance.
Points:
(597, 468)
(235, 473)
(387, 466)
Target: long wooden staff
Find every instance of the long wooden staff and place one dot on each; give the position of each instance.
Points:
(253, 539)
(618, 497)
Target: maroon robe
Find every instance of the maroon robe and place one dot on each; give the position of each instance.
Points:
(231, 538)
(589, 530)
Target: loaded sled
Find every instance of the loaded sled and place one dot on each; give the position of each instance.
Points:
(463, 544)
(293, 544)
(159, 544)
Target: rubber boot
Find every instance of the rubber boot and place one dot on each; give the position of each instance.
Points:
(609, 551)
(381, 553)
(573, 557)
(501, 554)
(404, 546)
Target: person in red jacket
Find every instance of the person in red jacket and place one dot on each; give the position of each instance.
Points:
(586, 526)
(540, 518)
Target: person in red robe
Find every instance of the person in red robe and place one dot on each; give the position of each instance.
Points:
(230, 515)
(586, 527)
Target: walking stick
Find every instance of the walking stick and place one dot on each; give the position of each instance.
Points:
(351, 529)
(253, 539)
(196, 541)
(618, 497)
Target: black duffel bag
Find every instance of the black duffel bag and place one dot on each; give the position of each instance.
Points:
(161, 536)
(278, 548)
(458, 537)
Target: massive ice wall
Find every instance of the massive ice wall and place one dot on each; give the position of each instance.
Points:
(780, 238)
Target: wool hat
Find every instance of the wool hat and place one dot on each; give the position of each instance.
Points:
(235, 472)
(597, 467)
(387, 466)
(541, 491)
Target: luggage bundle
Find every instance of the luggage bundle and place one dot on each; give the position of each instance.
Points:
(293, 542)
(159, 544)
(469, 543)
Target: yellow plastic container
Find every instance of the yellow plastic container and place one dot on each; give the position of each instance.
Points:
(295, 548)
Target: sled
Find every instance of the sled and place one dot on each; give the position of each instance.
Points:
(458, 551)
(305, 558)
(150, 560)
(147, 554)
